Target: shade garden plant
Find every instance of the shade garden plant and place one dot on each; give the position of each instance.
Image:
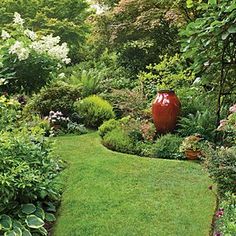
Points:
(27, 176)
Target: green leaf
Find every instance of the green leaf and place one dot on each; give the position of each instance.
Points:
(17, 224)
(232, 29)
(5, 222)
(50, 217)
(212, 2)
(51, 207)
(43, 231)
(26, 232)
(18, 231)
(189, 3)
(40, 213)
(10, 233)
(225, 35)
(34, 222)
(28, 208)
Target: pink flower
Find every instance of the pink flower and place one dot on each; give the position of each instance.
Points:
(220, 213)
(233, 109)
(217, 234)
(222, 124)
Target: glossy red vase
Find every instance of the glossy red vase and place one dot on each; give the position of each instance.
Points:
(165, 111)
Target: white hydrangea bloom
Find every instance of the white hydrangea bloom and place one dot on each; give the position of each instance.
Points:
(30, 34)
(23, 54)
(17, 19)
(5, 35)
(60, 52)
(50, 45)
(2, 81)
(18, 49)
(15, 47)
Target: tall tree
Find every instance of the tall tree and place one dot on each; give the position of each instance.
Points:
(140, 31)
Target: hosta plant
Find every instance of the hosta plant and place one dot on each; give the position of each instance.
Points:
(28, 219)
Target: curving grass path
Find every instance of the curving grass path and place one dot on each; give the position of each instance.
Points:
(109, 193)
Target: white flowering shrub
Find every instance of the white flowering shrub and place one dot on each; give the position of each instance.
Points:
(29, 57)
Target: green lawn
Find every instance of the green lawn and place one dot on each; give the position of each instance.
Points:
(109, 193)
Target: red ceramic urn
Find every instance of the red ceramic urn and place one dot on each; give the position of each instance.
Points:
(165, 111)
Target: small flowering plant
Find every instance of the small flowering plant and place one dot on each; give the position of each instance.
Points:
(30, 57)
(191, 143)
(228, 127)
(57, 118)
(225, 217)
(148, 130)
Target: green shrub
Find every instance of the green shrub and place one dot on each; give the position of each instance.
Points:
(118, 140)
(170, 73)
(221, 164)
(107, 126)
(9, 113)
(226, 215)
(27, 169)
(137, 137)
(94, 111)
(193, 99)
(101, 74)
(127, 102)
(89, 81)
(167, 146)
(29, 60)
(201, 123)
(227, 128)
(56, 97)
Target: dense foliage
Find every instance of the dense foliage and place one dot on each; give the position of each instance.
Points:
(93, 111)
(30, 59)
(55, 97)
(210, 42)
(226, 215)
(27, 173)
(61, 18)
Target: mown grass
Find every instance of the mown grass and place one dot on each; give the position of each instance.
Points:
(108, 193)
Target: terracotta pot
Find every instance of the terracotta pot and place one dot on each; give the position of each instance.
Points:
(165, 111)
(192, 155)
